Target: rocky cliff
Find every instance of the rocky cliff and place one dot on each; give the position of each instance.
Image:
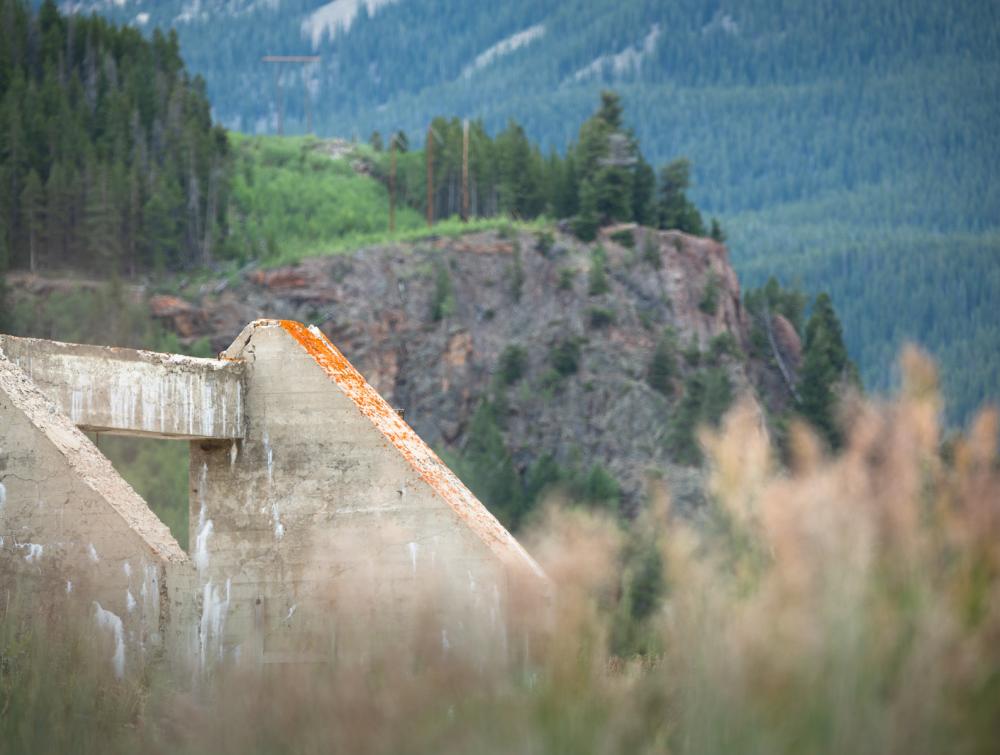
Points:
(563, 332)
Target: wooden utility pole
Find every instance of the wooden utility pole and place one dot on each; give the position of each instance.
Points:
(430, 175)
(392, 183)
(465, 170)
(279, 103)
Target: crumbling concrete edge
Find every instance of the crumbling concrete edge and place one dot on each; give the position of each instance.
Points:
(90, 466)
(434, 472)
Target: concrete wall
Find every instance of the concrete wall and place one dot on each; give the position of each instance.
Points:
(136, 392)
(321, 525)
(71, 528)
(331, 524)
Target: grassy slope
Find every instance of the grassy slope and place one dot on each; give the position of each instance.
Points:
(294, 201)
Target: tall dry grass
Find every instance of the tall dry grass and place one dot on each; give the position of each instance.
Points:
(847, 605)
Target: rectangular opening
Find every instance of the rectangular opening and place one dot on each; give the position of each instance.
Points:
(158, 471)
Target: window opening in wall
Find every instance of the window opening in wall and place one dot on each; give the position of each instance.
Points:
(158, 471)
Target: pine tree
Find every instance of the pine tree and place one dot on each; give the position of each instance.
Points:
(488, 468)
(59, 213)
(674, 208)
(163, 229)
(101, 230)
(33, 217)
(826, 370)
(643, 193)
(663, 365)
(716, 231)
(585, 224)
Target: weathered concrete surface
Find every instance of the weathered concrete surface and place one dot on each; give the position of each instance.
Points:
(332, 519)
(135, 392)
(70, 525)
(327, 528)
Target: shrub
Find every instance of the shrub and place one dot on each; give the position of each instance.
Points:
(692, 354)
(718, 395)
(723, 345)
(707, 396)
(598, 280)
(515, 276)
(625, 238)
(513, 362)
(566, 276)
(663, 365)
(507, 231)
(601, 317)
(565, 356)
(651, 251)
(709, 303)
(595, 487)
(443, 300)
(544, 241)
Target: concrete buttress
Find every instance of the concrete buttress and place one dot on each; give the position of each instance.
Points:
(320, 523)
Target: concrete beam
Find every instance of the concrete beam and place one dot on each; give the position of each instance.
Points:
(133, 392)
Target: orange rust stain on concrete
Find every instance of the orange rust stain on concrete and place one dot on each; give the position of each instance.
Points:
(419, 455)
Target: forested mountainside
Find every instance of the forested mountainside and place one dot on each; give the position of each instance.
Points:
(847, 146)
(109, 158)
(773, 101)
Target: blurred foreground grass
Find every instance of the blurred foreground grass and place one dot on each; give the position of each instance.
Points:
(842, 605)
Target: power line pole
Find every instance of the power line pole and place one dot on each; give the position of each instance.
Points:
(430, 175)
(392, 184)
(465, 170)
(279, 103)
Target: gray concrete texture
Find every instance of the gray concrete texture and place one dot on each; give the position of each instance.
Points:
(135, 392)
(321, 525)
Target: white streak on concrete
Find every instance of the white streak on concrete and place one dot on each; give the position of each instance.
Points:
(69, 587)
(234, 452)
(279, 528)
(108, 620)
(129, 601)
(92, 552)
(34, 552)
(204, 525)
(207, 407)
(414, 547)
(150, 594)
(269, 453)
(214, 609)
(3, 495)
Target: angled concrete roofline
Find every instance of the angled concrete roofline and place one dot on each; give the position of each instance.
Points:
(434, 472)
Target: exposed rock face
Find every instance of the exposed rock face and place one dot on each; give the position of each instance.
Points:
(492, 292)
(788, 341)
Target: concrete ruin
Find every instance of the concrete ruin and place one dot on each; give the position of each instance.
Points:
(319, 521)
